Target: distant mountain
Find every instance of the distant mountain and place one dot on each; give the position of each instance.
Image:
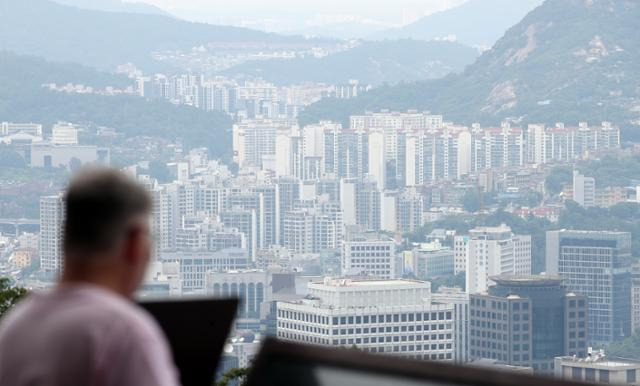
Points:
(23, 99)
(567, 60)
(477, 23)
(341, 30)
(371, 63)
(107, 39)
(114, 6)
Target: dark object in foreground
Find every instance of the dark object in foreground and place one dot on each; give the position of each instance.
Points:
(291, 364)
(197, 330)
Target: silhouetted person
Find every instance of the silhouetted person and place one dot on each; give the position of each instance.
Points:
(86, 331)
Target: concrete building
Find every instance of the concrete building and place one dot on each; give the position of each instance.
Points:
(491, 251)
(311, 230)
(597, 368)
(369, 254)
(52, 214)
(584, 190)
(635, 298)
(527, 321)
(194, 265)
(252, 287)
(245, 220)
(161, 280)
(10, 128)
(432, 260)
(460, 301)
(254, 139)
(395, 317)
(71, 157)
(596, 264)
(63, 133)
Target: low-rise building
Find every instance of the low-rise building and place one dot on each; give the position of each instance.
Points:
(432, 260)
(597, 368)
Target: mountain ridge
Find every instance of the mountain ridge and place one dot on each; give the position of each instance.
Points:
(566, 60)
(371, 63)
(104, 40)
(459, 21)
(114, 6)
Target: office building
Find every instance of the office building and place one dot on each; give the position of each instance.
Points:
(491, 251)
(251, 287)
(596, 264)
(432, 260)
(194, 265)
(63, 133)
(11, 128)
(635, 298)
(395, 317)
(527, 321)
(460, 301)
(369, 254)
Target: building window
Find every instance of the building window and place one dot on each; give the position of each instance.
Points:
(631, 376)
(590, 375)
(604, 376)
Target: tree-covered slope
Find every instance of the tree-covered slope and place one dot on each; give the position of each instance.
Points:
(567, 60)
(107, 39)
(23, 99)
(371, 63)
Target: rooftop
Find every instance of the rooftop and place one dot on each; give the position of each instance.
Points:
(528, 280)
(367, 283)
(602, 361)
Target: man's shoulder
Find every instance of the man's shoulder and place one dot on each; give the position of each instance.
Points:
(121, 311)
(83, 308)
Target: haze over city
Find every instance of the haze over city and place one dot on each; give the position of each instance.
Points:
(442, 190)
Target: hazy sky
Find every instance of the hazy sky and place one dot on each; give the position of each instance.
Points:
(302, 12)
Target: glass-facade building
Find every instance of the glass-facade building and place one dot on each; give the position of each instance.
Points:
(527, 321)
(596, 264)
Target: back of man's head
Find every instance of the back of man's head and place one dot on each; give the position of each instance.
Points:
(101, 206)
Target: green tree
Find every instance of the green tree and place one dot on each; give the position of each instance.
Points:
(9, 295)
(235, 374)
(10, 158)
(558, 178)
(471, 201)
(627, 348)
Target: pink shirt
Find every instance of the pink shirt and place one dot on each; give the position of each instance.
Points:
(82, 335)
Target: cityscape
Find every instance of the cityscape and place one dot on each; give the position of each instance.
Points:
(500, 233)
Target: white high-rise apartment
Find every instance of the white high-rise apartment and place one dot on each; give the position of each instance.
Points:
(492, 251)
(255, 139)
(377, 158)
(584, 189)
(50, 243)
(395, 317)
